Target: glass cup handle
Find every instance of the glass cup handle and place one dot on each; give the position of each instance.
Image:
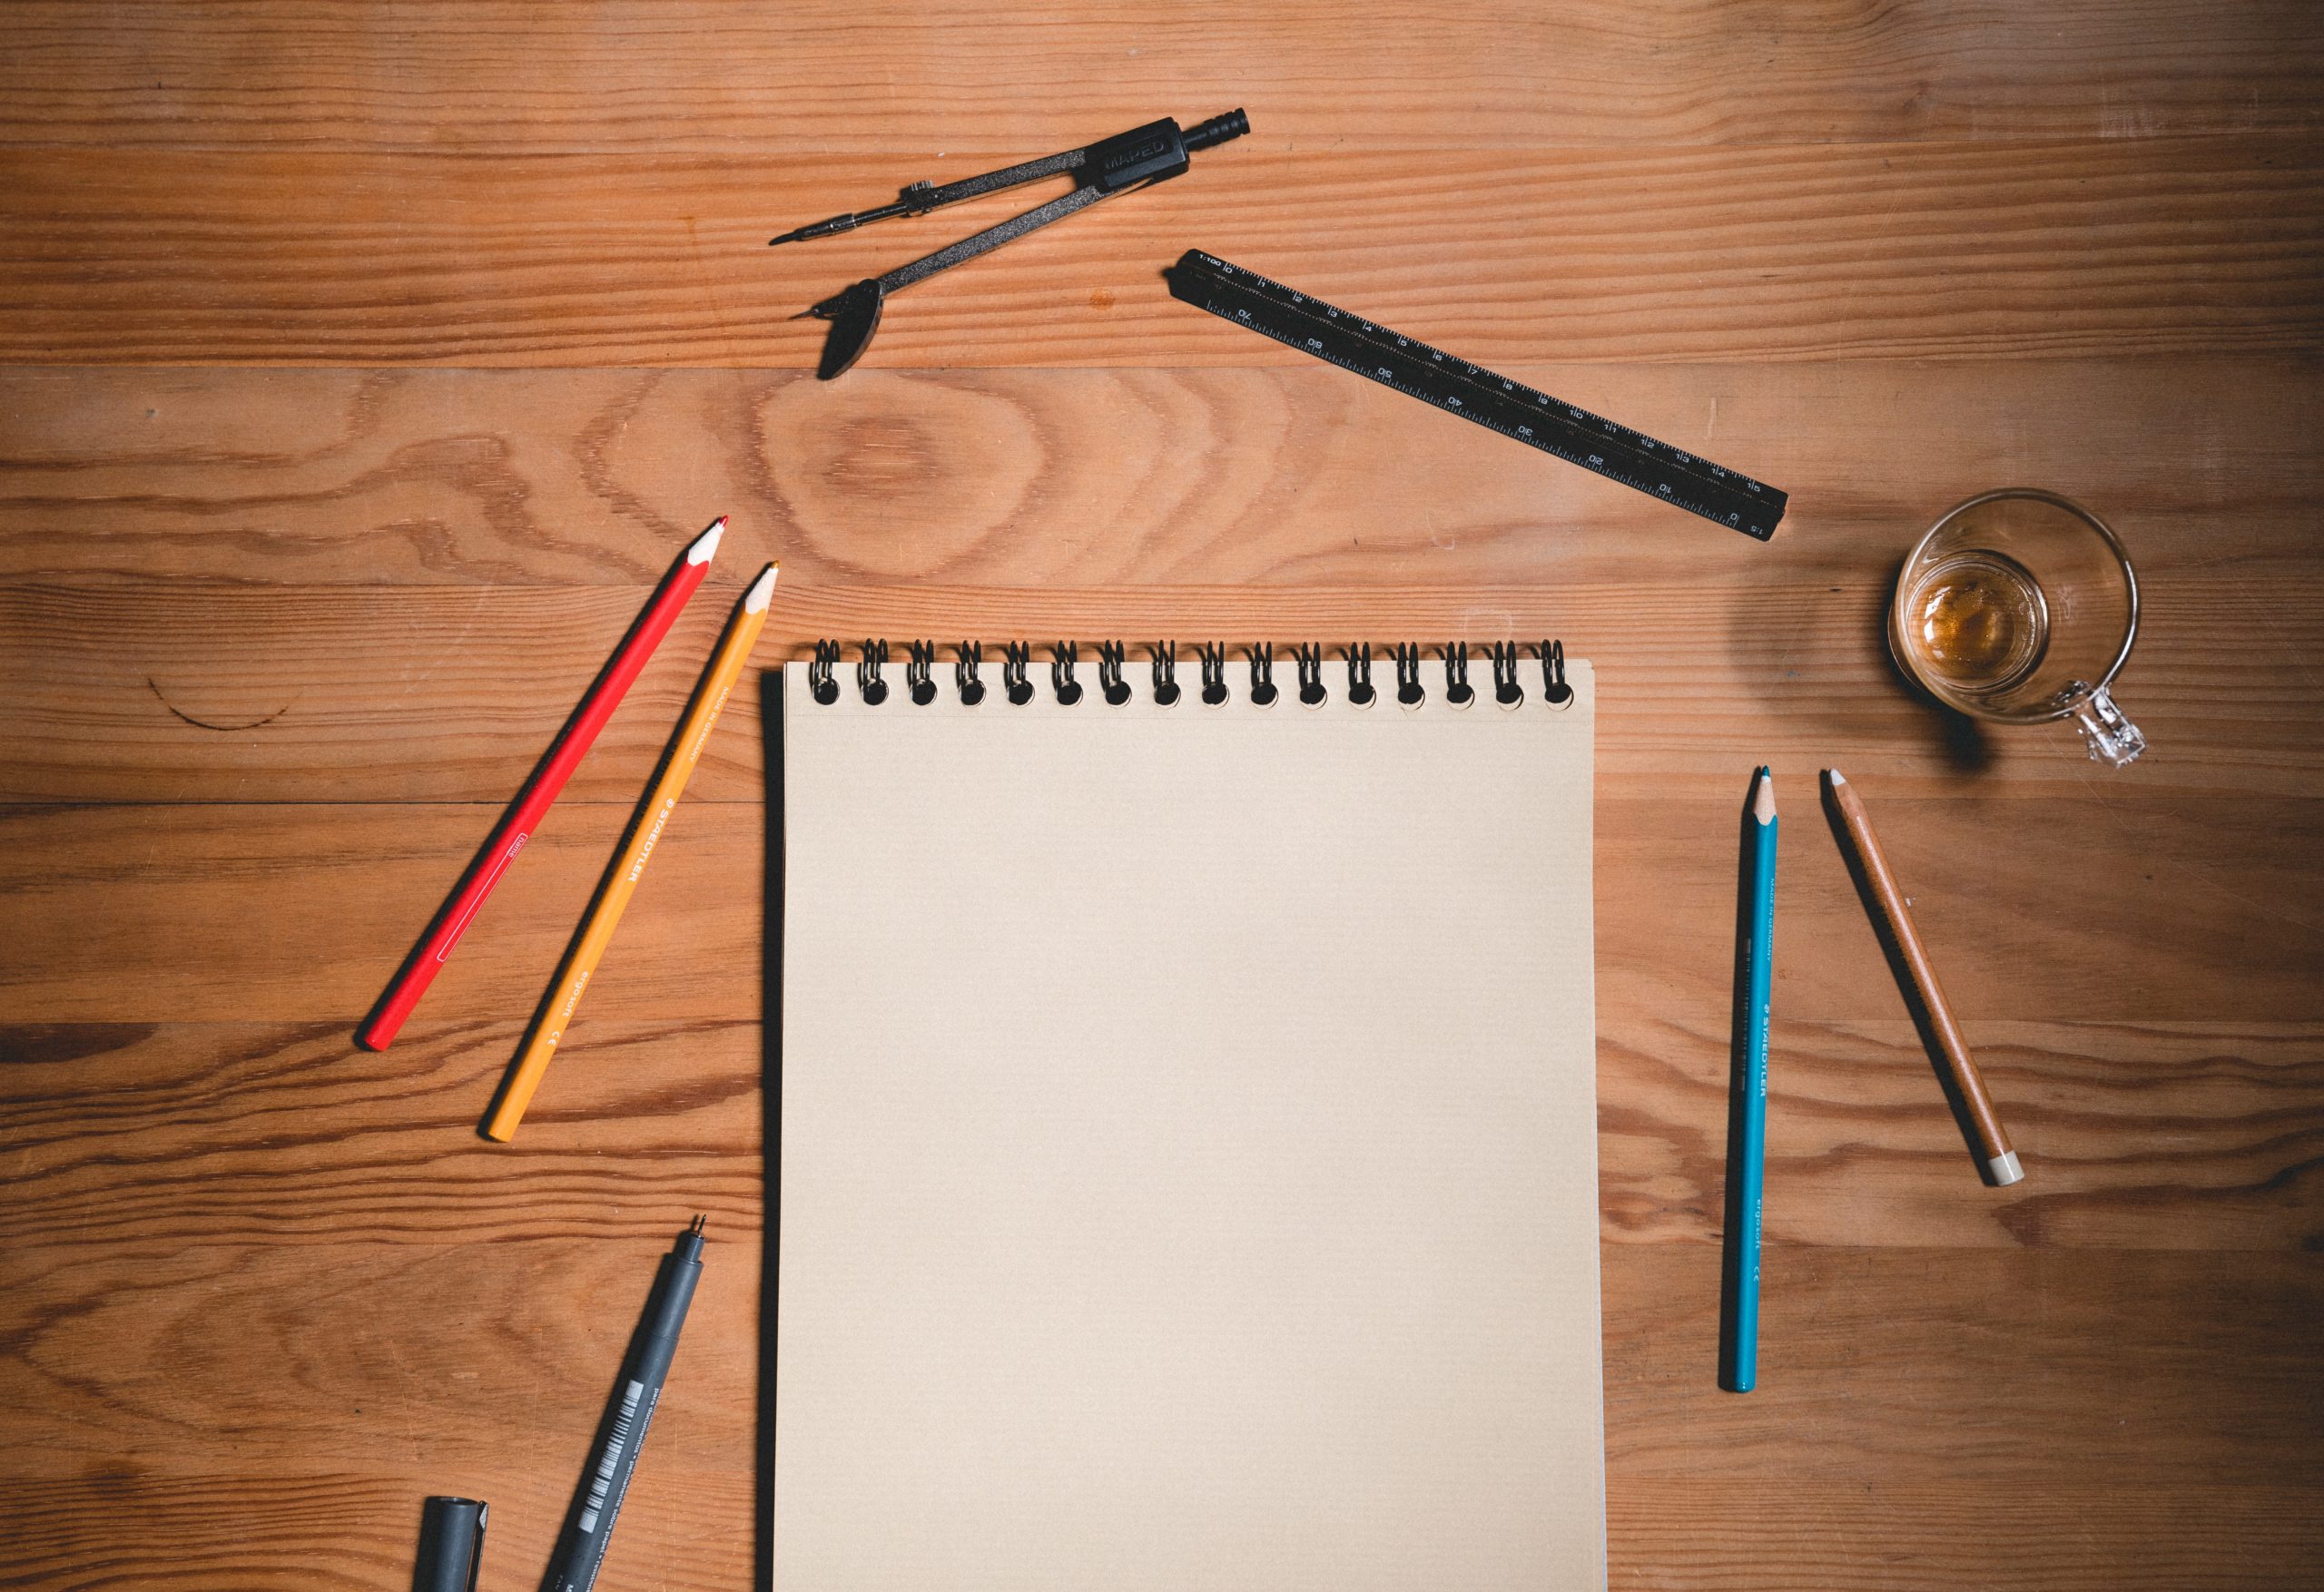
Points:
(2113, 739)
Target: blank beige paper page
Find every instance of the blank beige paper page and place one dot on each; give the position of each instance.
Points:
(1188, 1145)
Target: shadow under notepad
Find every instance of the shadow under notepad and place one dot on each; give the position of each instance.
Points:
(771, 1115)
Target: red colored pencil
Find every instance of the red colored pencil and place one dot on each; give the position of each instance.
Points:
(533, 803)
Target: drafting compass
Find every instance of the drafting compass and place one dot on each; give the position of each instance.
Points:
(1113, 166)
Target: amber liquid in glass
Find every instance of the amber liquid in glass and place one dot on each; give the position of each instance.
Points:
(1977, 621)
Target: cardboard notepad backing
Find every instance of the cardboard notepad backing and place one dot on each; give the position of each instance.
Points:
(1188, 1145)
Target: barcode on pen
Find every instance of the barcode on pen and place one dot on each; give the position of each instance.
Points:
(619, 1440)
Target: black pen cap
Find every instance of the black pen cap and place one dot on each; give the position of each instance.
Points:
(451, 1545)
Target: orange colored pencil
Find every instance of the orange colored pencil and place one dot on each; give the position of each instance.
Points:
(620, 882)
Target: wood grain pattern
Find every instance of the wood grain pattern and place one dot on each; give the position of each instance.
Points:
(293, 589)
(1051, 482)
(258, 1133)
(2212, 900)
(1726, 252)
(400, 557)
(1933, 1537)
(337, 1530)
(1960, 1531)
(2086, 1386)
(437, 694)
(2150, 1136)
(226, 1359)
(1936, 1536)
(2065, 1374)
(1010, 82)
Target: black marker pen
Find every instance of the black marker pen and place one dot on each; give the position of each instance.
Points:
(581, 1548)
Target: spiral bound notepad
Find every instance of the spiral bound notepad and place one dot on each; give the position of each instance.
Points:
(1187, 1126)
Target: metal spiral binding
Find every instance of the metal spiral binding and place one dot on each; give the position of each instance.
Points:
(1309, 657)
(1214, 672)
(1506, 658)
(1409, 691)
(867, 673)
(820, 683)
(1110, 683)
(1166, 673)
(1456, 675)
(1506, 690)
(1015, 658)
(1262, 657)
(1554, 690)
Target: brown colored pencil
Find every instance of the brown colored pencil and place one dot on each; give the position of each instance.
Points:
(2001, 1161)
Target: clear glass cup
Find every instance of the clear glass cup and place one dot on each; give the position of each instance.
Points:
(2020, 606)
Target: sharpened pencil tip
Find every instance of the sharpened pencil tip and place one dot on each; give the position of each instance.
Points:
(1763, 797)
(706, 544)
(761, 592)
(1835, 777)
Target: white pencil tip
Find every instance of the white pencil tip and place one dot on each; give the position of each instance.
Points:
(2006, 1170)
(1837, 777)
(707, 543)
(761, 592)
(1763, 798)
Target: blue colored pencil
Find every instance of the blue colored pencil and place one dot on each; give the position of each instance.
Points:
(1747, 1170)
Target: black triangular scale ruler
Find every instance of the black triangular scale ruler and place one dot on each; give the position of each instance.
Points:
(1474, 393)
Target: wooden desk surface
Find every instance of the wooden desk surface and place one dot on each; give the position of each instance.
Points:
(362, 367)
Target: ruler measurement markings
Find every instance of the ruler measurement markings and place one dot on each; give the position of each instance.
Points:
(1479, 374)
(1546, 442)
(1376, 352)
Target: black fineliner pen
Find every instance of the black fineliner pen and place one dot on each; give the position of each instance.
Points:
(581, 1546)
